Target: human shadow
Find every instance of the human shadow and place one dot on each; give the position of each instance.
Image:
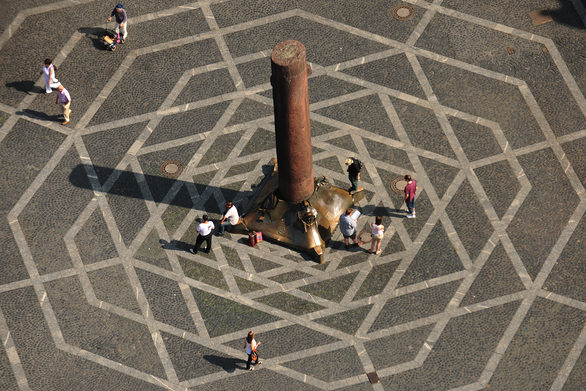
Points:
(27, 86)
(127, 185)
(228, 364)
(95, 34)
(175, 245)
(565, 14)
(40, 115)
(385, 211)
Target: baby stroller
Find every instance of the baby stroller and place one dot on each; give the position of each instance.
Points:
(110, 39)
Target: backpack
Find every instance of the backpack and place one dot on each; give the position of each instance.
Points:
(359, 164)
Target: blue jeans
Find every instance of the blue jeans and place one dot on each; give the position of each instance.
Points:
(410, 206)
(354, 183)
(222, 227)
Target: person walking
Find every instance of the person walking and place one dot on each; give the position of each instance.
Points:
(121, 21)
(250, 346)
(229, 219)
(48, 73)
(410, 190)
(354, 167)
(348, 228)
(378, 230)
(204, 230)
(64, 98)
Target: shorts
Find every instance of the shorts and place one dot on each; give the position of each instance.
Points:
(353, 236)
(378, 237)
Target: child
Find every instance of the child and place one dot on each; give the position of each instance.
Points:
(377, 235)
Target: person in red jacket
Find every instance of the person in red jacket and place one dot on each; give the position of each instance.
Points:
(410, 190)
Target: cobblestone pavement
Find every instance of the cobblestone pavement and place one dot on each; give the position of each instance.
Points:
(484, 290)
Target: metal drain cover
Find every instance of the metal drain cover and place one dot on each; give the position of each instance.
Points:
(172, 168)
(403, 12)
(398, 185)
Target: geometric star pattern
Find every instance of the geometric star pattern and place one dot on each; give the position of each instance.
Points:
(452, 302)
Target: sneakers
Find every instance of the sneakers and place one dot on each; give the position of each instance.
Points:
(64, 122)
(191, 250)
(411, 216)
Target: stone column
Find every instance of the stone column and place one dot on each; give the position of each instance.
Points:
(292, 129)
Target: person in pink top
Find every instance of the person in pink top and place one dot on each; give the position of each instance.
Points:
(410, 190)
(378, 230)
(64, 98)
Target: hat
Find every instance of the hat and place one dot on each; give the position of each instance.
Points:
(349, 161)
(119, 5)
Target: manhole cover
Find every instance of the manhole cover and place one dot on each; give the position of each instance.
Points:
(398, 185)
(172, 168)
(403, 12)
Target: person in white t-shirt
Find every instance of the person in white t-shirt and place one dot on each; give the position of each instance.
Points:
(204, 230)
(229, 219)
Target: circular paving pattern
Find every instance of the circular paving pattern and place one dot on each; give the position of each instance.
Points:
(403, 12)
(398, 185)
(172, 168)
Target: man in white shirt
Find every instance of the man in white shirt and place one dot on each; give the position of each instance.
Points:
(229, 219)
(204, 230)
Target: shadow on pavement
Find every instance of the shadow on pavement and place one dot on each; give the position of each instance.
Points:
(95, 34)
(40, 115)
(175, 245)
(566, 14)
(27, 86)
(229, 364)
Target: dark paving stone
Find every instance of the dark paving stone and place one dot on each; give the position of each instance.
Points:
(422, 128)
(477, 141)
(232, 257)
(500, 184)
(347, 321)
(243, 168)
(151, 78)
(388, 154)
(262, 140)
(203, 180)
(462, 350)
(484, 97)
(202, 273)
(187, 123)
(357, 387)
(324, 45)
(176, 212)
(44, 363)
(569, 273)
(545, 211)
(326, 87)
(367, 113)
(101, 332)
(222, 316)
(359, 256)
(107, 148)
(55, 207)
(7, 379)
(94, 241)
(285, 340)
(112, 285)
(220, 149)
(261, 264)
(257, 72)
(290, 304)
(127, 204)
(256, 379)
(394, 245)
(469, 220)
(539, 347)
(577, 379)
(424, 209)
(397, 348)
(250, 110)
(376, 280)
(192, 360)
(333, 289)
(435, 258)
(344, 142)
(290, 276)
(152, 252)
(574, 151)
(166, 301)
(246, 286)
(387, 177)
(393, 72)
(421, 304)
(318, 129)
(497, 278)
(330, 366)
(440, 175)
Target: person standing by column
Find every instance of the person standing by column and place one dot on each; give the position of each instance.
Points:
(250, 346)
(48, 73)
(354, 167)
(64, 98)
(204, 230)
(348, 228)
(121, 20)
(410, 190)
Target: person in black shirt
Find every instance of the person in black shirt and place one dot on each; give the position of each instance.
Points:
(354, 167)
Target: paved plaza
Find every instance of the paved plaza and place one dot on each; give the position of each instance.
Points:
(482, 102)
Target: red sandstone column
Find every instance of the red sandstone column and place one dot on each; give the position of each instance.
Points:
(293, 134)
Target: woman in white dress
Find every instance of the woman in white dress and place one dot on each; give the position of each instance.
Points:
(48, 73)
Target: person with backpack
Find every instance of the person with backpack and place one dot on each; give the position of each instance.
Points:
(354, 167)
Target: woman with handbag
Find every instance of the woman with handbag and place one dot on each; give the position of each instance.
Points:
(250, 347)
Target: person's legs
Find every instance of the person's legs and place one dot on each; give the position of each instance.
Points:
(208, 239)
(354, 183)
(409, 205)
(222, 227)
(48, 89)
(378, 243)
(66, 111)
(248, 361)
(198, 241)
(372, 245)
(124, 31)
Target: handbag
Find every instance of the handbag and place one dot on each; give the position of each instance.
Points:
(254, 356)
